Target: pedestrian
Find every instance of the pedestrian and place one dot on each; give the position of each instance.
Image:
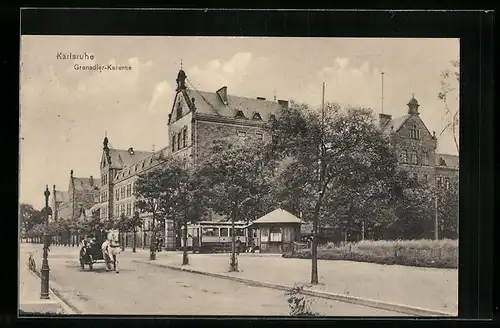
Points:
(105, 253)
(238, 245)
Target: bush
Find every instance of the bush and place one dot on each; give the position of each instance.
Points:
(420, 253)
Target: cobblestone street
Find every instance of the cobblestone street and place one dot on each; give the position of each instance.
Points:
(145, 289)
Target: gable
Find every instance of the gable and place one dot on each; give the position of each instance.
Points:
(413, 121)
(180, 107)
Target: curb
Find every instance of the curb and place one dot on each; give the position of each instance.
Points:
(404, 309)
(68, 308)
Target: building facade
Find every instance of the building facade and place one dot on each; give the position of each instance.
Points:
(416, 148)
(198, 118)
(82, 194)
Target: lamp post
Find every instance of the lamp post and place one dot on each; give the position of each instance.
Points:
(44, 294)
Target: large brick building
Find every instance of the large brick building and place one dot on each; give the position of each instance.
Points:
(82, 193)
(416, 148)
(197, 118)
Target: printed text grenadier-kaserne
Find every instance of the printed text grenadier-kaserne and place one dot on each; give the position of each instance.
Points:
(74, 56)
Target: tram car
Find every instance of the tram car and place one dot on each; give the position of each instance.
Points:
(212, 237)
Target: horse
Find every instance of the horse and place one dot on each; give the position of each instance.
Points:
(113, 250)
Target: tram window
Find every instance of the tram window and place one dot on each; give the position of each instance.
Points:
(210, 232)
(239, 232)
(224, 232)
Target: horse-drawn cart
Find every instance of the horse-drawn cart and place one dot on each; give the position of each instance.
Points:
(91, 251)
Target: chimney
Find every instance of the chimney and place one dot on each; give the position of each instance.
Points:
(91, 181)
(261, 98)
(131, 151)
(283, 103)
(384, 119)
(222, 92)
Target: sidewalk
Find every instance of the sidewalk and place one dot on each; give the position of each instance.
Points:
(424, 288)
(30, 288)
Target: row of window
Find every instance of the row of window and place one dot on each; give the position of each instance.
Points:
(104, 179)
(104, 196)
(179, 140)
(410, 157)
(126, 209)
(243, 134)
(124, 191)
(443, 181)
(414, 132)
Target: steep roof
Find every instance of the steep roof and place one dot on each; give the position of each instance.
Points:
(211, 103)
(278, 216)
(83, 184)
(395, 124)
(122, 158)
(153, 159)
(447, 160)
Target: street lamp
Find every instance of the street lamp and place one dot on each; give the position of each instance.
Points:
(45, 263)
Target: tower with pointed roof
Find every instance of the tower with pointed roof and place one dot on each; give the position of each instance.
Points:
(414, 143)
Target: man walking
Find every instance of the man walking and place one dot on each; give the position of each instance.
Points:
(105, 253)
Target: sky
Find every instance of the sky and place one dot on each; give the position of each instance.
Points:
(65, 113)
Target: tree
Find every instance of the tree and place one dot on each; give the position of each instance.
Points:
(449, 95)
(28, 217)
(330, 151)
(171, 191)
(236, 178)
(448, 207)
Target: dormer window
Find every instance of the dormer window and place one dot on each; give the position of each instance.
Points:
(442, 162)
(256, 116)
(414, 132)
(239, 114)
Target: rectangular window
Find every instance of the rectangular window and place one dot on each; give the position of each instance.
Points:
(122, 209)
(439, 181)
(184, 137)
(275, 234)
(425, 157)
(242, 134)
(403, 157)
(413, 158)
(447, 183)
(179, 144)
(129, 190)
(173, 143)
(117, 192)
(129, 209)
(117, 210)
(224, 232)
(122, 192)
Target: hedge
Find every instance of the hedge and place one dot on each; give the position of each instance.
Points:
(419, 253)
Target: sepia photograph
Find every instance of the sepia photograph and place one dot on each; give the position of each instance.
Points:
(238, 176)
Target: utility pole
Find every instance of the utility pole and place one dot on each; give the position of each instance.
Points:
(314, 246)
(382, 106)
